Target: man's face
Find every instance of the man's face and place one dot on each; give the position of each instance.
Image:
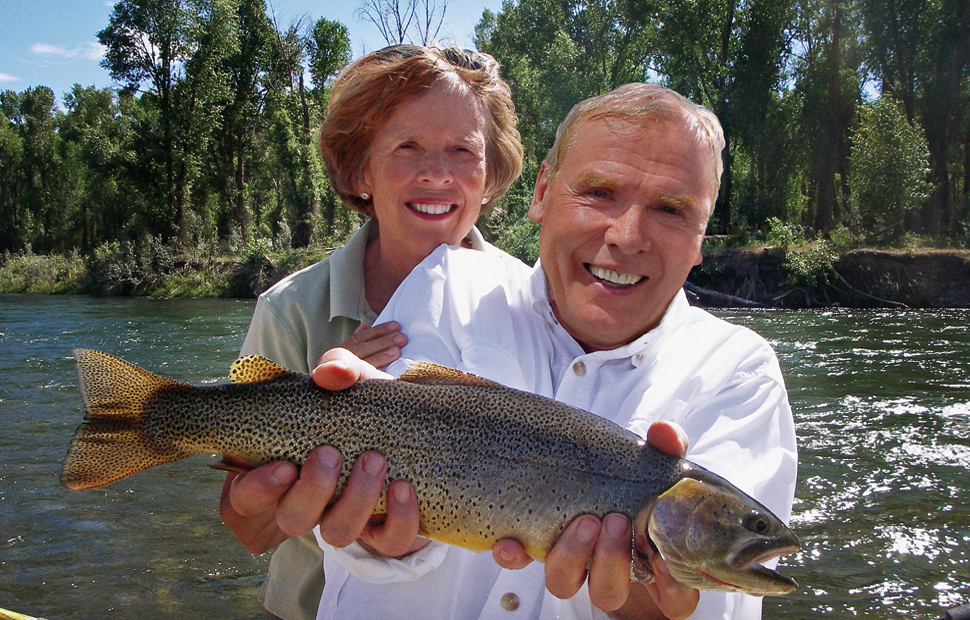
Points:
(622, 226)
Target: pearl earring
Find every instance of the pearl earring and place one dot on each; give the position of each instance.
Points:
(485, 200)
(364, 195)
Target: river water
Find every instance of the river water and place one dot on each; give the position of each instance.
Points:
(881, 401)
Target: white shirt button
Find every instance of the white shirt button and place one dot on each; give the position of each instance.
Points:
(579, 368)
(510, 602)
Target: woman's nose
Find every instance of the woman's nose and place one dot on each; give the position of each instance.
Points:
(436, 169)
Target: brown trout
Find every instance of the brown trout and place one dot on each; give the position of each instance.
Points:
(487, 462)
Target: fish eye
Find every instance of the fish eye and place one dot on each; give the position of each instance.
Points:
(756, 522)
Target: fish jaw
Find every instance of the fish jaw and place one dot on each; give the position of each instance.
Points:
(714, 537)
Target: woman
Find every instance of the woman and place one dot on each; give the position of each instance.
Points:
(421, 140)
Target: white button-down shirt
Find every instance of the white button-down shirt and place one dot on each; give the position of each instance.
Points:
(490, 315)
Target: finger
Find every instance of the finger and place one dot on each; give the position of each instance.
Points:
(344, 522)
(609, 572)
(303, 505)
(381, 342)
(509, 553)
(673, 598)
(385, 356)
(399, 533)
(261, 489)
(668, 437)
(567, 561)
(338, 369)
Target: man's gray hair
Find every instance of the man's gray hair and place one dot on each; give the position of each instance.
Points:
(640, 104)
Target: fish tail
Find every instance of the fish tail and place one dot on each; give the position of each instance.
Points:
(112, 443)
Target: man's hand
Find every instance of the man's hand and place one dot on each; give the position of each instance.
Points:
(605, 548)
(379, 345)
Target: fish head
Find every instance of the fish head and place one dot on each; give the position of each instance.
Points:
(712, 536)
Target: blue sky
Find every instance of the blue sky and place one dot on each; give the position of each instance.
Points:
(54, 42)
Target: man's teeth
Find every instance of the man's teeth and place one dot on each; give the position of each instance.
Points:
(613, 277)
(437, 209)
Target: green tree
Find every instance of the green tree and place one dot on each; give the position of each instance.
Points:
(889, 164)
(11, 173)
(828, 82)
(919, 50)
(92, 133)
(150, 41)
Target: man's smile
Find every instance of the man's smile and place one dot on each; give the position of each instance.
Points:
(613, 277)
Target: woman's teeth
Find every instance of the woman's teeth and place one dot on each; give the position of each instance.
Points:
(613, 277)
(437, 209)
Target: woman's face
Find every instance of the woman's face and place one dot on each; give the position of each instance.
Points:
(426, 170)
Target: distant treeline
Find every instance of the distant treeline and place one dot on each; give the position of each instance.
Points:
(841, 116)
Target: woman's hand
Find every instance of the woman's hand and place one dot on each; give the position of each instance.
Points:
(379, 345)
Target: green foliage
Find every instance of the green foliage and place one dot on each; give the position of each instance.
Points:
(129, 268)
(781, 235)
(889, 165)
(810, 266)
(211, 141)
(26, 272)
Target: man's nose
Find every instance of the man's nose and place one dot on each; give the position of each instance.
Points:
(628, 231)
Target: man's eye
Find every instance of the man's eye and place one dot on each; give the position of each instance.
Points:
(599, 193)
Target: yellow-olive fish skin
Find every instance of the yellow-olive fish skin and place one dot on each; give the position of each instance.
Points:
(487, 462)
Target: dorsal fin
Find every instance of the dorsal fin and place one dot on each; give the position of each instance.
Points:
(426, 373)
(255, 369)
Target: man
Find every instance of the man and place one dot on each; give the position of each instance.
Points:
(602, 323)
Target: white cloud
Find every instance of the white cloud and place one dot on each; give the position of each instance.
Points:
(8, 78)
(88, 51)
(92, 51)
(49, 50)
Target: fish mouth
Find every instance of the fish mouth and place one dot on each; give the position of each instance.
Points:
(431, 208)
(749, 561)
(612, 277)
(747, 568)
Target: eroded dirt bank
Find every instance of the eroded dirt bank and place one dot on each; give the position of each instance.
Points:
(861, 279)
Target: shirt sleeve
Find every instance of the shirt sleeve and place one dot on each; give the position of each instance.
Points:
(272, 337)
(746, 434)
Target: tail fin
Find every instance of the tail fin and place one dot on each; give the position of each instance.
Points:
(111, 443)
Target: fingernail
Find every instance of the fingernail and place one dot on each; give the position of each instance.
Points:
(392, 351)
(329, 457)
(280, 476)
(588, 530)
(402, 493)
(373, 463)
(399, 339)
(616, 526)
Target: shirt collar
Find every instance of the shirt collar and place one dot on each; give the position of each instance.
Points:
(347, 276)
(347, 273)
(674, 316)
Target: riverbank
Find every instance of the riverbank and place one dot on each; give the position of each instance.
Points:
(859, 278)
(814, 275)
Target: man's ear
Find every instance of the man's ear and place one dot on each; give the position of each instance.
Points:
(700, 256)
(539, 194)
